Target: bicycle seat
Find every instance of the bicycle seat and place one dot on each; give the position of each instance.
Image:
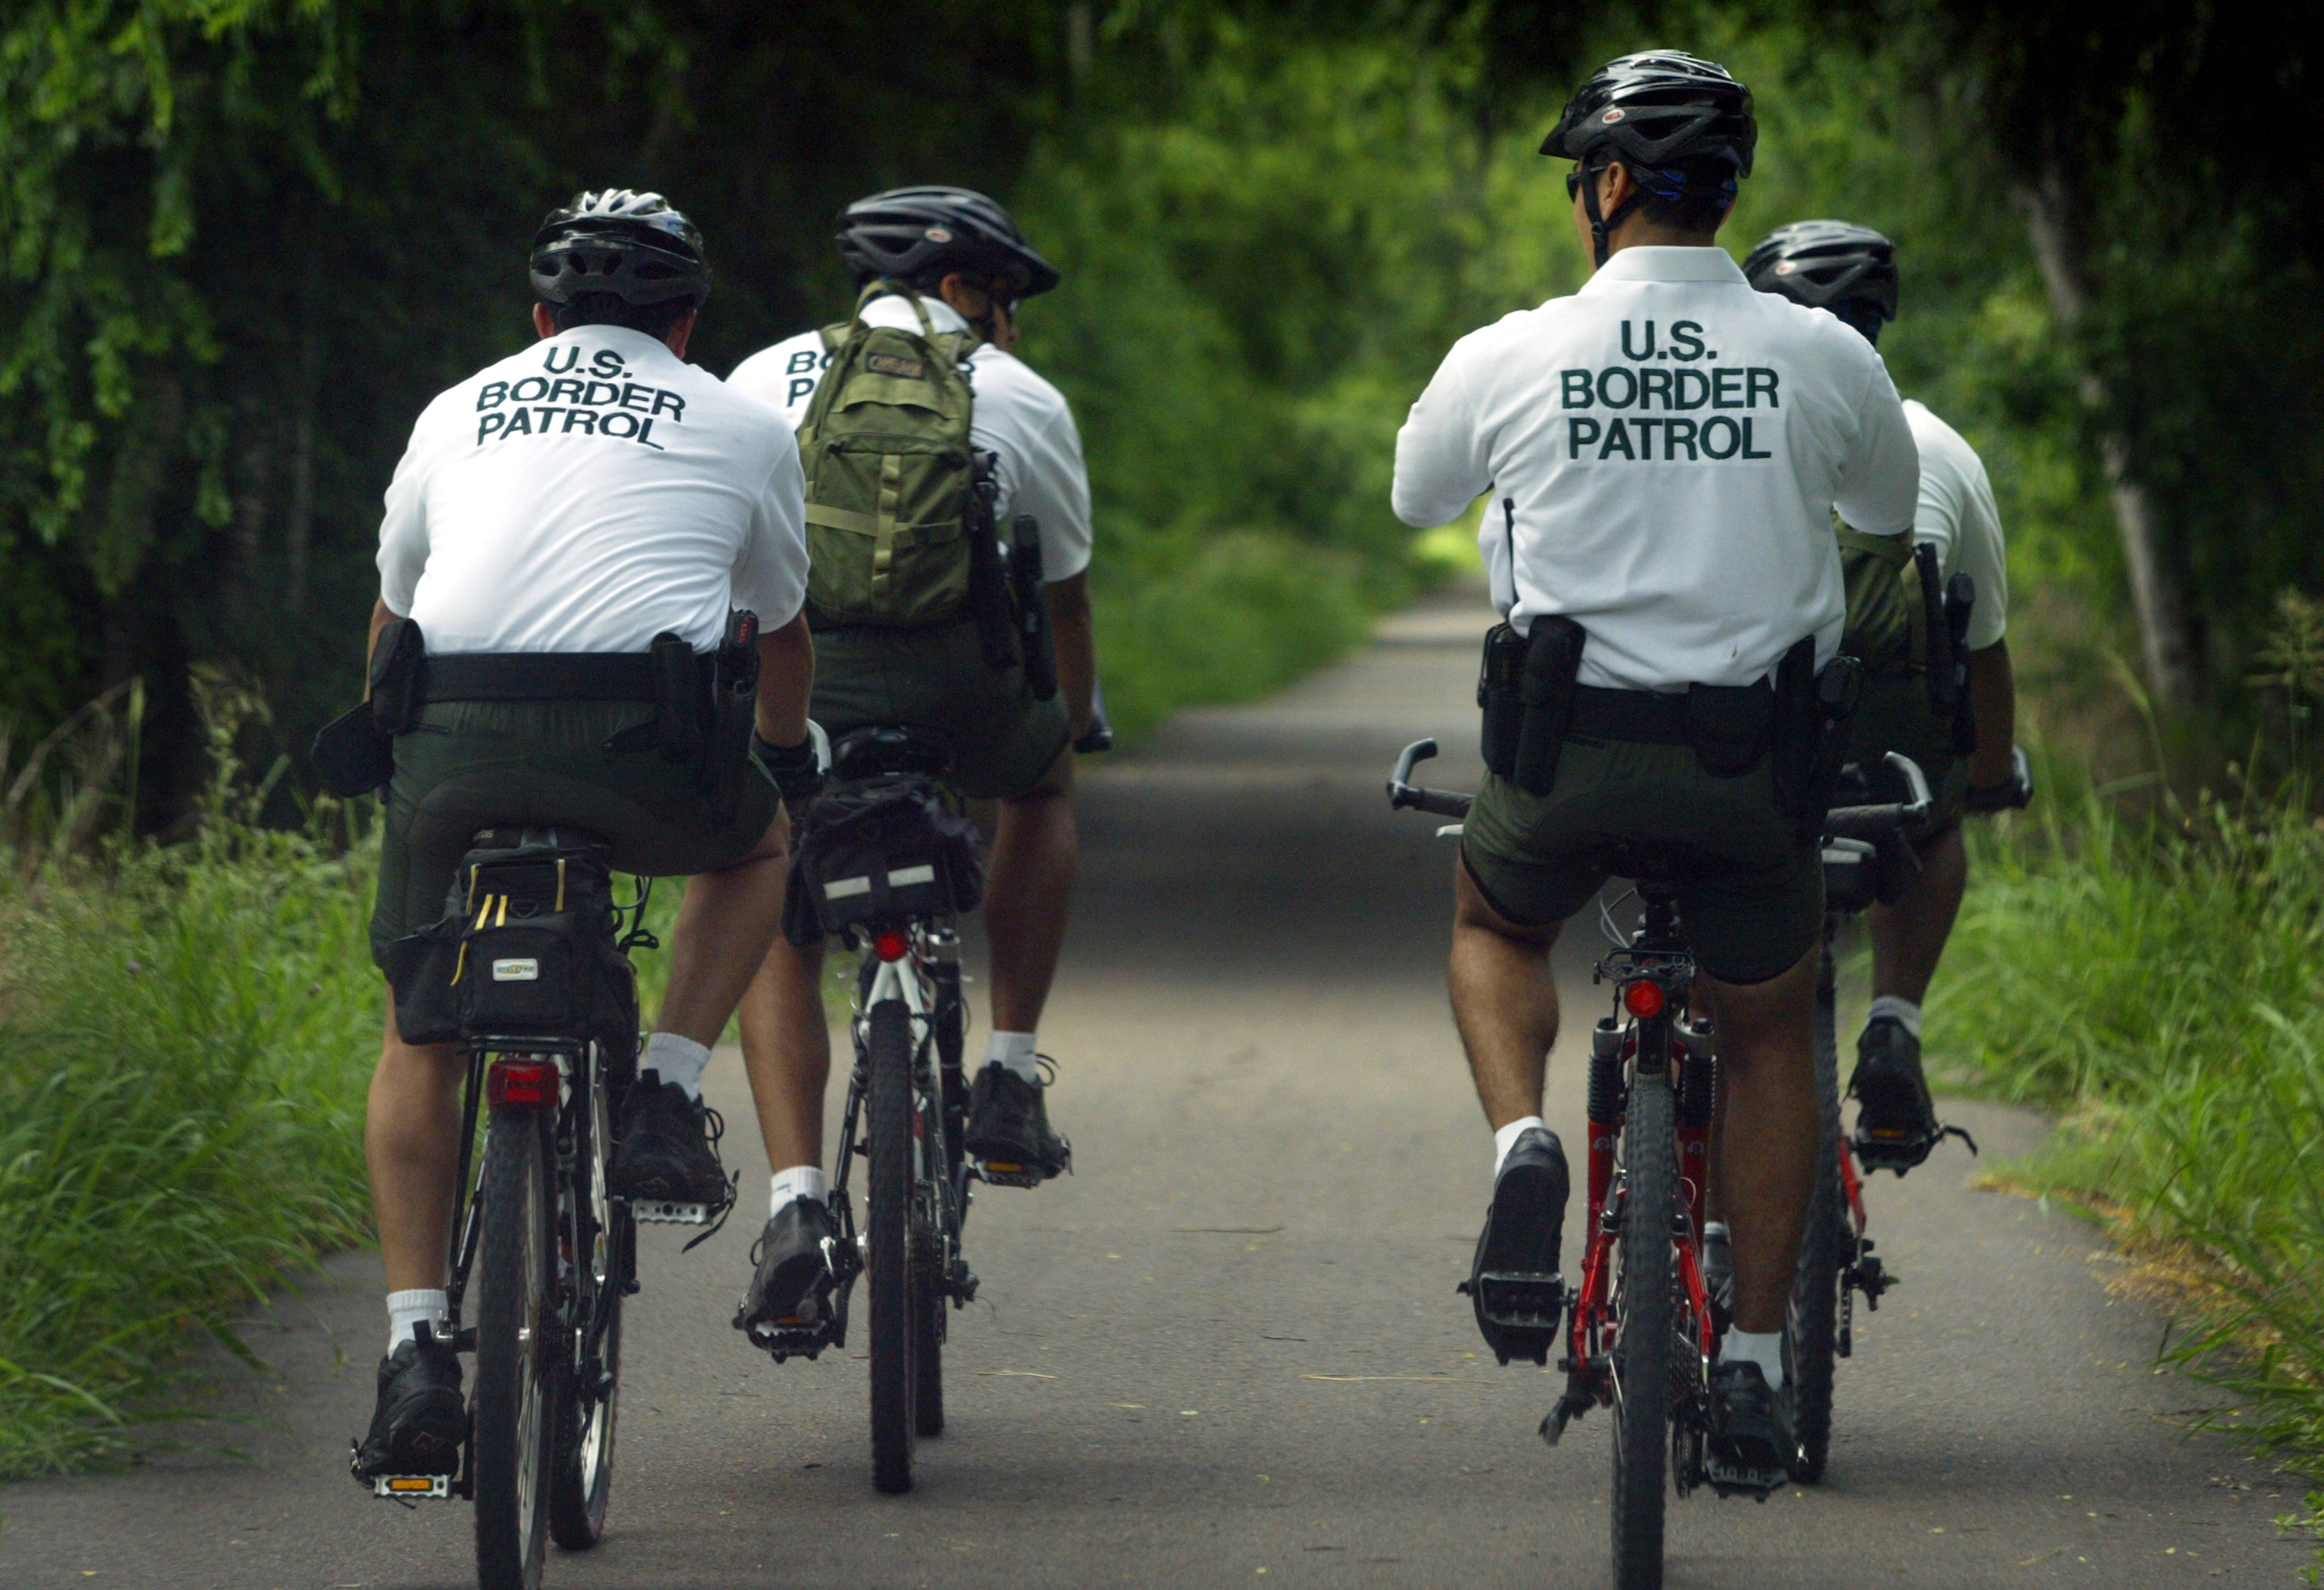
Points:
(536, 836)
(1656, 866)
(885, 749)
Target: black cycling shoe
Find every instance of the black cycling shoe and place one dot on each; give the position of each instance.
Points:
(1513, 1282)
(666, 1150)
(1896, 1127)
(1751, 1445)
(1008, 1130)
(792, 1305)
(422, 1419)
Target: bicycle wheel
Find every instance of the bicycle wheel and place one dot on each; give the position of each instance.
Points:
(582, 1469)
(517, 1355)
(1642, 1339)
(1813, 1325)
(890, 1217)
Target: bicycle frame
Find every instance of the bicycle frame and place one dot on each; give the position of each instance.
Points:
(1657, 1048)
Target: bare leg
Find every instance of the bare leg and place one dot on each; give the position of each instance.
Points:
(1908, 937)
(1504, 1002)
(786, 1051)
(1767, 1135)
(1029, 894)
(412, 1140)
(725, 926)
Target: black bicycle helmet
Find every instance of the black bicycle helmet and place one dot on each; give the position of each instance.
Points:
(906, 232)
(1834, 265)
(1656, 111)
(632, 245)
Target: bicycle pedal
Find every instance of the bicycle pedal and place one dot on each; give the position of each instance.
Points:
(412, 1487)
(1519, 1313)
(671, 1212)
(1009, 1173)
(1570, 1407)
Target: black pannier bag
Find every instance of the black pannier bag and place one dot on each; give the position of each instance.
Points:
(525, 949)
(879, 852)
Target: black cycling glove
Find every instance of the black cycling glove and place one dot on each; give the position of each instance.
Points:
(793, 768)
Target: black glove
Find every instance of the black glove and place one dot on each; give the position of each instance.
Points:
(2013, 793)
(793, 768)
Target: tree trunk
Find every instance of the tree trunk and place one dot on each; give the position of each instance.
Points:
(2155, 589)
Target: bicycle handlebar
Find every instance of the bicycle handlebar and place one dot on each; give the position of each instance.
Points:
(1868, 822)
(1405, 796)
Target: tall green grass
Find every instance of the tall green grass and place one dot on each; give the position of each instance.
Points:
(185, 1036)
(2159, 981)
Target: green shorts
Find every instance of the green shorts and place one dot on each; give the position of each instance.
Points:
(1759, 905)
(468, 765)
(1893, 714)
(937, 680)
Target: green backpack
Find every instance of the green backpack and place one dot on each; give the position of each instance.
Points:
(890, 474)
(1887, 610)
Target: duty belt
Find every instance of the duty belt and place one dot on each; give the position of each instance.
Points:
(547, 676)
(1651, 717)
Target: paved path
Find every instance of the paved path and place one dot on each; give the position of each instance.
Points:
(1229, 1350)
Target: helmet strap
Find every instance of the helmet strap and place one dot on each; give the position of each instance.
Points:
(1601, 225)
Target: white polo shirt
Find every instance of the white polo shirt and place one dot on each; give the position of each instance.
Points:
(1957, 517)
(1019, 416)
(588, 494)
(1670, 445)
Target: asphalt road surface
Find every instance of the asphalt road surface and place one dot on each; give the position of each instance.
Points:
(1228, 1350)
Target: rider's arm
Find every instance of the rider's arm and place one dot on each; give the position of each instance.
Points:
(1993, 692)
(382, 615)
(1441, 451)
(786, 674)
(1069, 622)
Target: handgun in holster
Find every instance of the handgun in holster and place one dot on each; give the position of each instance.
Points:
(1552, 662)
(988, 580)
(1808, 767)
(734, 712)
(1036, 642)
(1960, 602)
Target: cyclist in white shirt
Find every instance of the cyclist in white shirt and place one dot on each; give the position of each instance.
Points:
(555, 516)
(956, 257)
(1851, 270)
(1664, 451)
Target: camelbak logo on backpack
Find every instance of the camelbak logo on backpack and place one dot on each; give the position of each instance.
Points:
(890, 474)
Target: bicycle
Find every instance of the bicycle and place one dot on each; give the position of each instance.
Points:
(1641, 1333)
(890, 885)
(534, 956)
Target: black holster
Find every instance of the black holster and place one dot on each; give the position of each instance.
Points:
(988, 578)
(1546, 682)
(733, 714)
(1811, 738)
(1499, 680)
(1960, 602)
(354, 752)
(1037, 643)
(1731, 727)
(677, 698)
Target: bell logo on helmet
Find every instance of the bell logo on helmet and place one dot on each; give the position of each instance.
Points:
(1788, 267)
(1613, 116)
(938, 234)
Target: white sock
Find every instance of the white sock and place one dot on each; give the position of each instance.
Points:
(801, 1181)
(1714, 1229)
(678, 1059)
(405, 1309)
(1902, 1011)
(1507, 1138)
(1014, 1051)
(1762, 1347)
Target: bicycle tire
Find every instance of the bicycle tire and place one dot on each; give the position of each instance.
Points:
(1815, 1313)
(888, 1219)
(1642, 1339)
(512, 1409)
(581, 1466)
(927, 1356)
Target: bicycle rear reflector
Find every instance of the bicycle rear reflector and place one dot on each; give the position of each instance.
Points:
(521, 1082)
(890, 945)
(1643, 1000)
